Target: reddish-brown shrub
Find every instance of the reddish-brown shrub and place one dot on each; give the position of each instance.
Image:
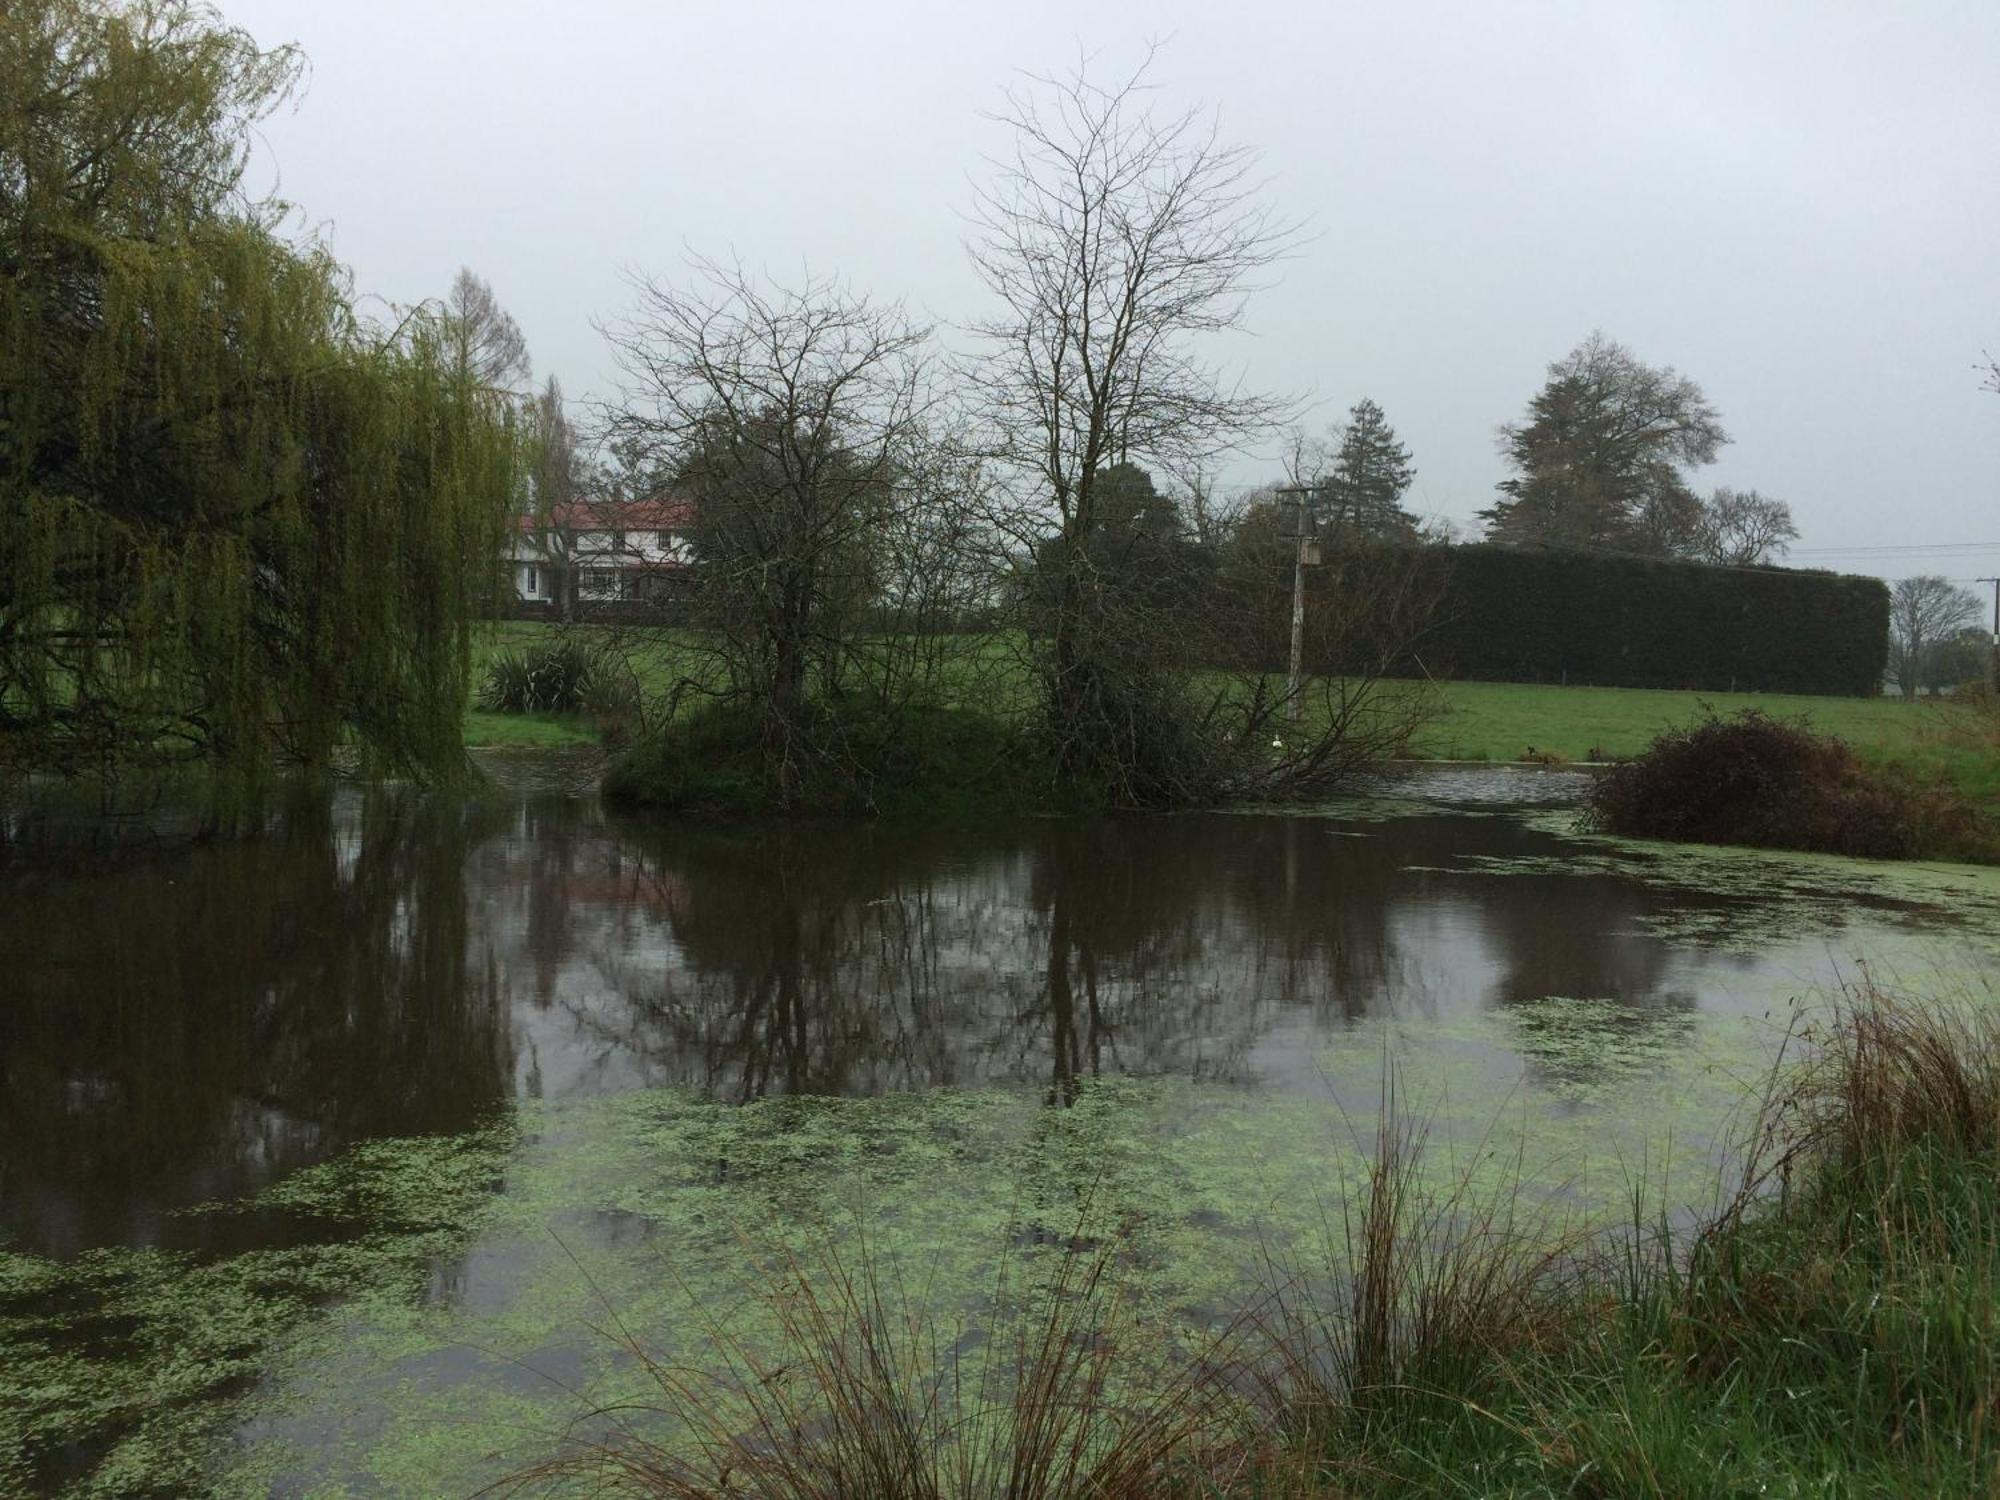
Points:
(1772, 783)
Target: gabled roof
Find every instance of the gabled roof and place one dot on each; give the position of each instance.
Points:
(658, 513)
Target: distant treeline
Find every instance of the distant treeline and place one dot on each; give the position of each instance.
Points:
(1533, 615)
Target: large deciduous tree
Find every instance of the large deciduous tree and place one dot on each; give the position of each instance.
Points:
(795, 420)
(1924, 612)
(1601, 460)
(1741, 529)
(236, 522)
(1112, 238)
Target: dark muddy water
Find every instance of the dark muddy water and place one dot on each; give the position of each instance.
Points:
(192, 1027)
(204, 1025)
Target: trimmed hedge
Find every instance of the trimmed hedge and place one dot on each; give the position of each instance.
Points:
(1529, 615)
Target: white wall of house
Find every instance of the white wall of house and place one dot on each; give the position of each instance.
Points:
(534, 579)
(633, 546)
(609, 564)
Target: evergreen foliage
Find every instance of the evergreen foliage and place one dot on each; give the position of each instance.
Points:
(1370, 474)
(236, 522)
(1534, 615)
(1139, 556)
(1531, 614)
(552, 679)
(1599, 463)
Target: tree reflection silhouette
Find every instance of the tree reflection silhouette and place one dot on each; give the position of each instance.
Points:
(388, 964)
(192, 1027)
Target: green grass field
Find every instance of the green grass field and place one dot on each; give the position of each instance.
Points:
(1504, 720)
(1490, 721)
(1497, 721)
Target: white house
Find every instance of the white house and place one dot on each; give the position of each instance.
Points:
(612, 549)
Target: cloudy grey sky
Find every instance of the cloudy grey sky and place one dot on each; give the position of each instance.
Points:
(1794, 203)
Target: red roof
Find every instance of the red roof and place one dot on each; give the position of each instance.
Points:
(661, 513)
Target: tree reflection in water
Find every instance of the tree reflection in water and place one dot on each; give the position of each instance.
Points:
(196, 1025)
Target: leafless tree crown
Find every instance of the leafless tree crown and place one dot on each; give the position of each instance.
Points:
(482, 338)
(1112, 236)
(828, 514)
(1741, 528)
(1923, 612)
(728, 351)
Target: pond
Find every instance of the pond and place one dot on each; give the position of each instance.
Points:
(325, 1155)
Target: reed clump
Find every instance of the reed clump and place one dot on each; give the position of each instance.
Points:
(870, 1390)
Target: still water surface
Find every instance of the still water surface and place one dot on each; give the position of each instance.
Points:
(204, 1026)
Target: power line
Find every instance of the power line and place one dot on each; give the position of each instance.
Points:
(1901, 549)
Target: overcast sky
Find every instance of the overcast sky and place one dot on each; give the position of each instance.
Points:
(1795, 204)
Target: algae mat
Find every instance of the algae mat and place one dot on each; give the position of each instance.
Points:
(551, 1078)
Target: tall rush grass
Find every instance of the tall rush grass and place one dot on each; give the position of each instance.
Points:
(873, 1391)
(1831, 1328)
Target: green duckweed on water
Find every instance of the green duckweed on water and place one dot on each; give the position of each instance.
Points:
(1746, 900)
(471, 1314)
(125, 1367)
(434, 1311)
(648, 1212)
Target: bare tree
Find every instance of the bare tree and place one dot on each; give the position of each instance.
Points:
(554, 476)
(1192, 481)
(482, 340)
(1924, 612)
(1369, 607)
(1113, 237)
(1741, 528)
(794, 419)
(554, 482)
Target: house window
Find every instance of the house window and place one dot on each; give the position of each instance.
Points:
(617, 541)
(665, 541)
(534, 583)
(602, 582)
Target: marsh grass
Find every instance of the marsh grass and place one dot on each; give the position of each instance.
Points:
(1416, 1288)
(1829, 1327)
(1061, 1390)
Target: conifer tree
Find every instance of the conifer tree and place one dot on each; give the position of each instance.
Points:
(1370, 474)
(1600, 462)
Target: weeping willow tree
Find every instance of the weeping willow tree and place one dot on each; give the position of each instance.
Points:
(238, 523)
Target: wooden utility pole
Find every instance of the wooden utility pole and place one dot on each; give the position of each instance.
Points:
(1307, 556)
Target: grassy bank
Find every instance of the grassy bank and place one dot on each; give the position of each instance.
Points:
(1831, 1329)
(869, 760)
(1503, 720)
(1489, 721)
